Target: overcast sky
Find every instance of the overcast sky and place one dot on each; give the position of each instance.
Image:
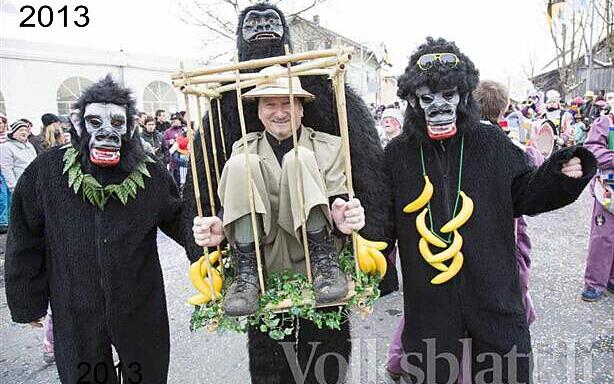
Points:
(499, 36)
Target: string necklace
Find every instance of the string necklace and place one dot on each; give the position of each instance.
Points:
(458, 189)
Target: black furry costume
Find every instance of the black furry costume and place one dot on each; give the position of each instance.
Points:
(98, 269)
(483, 300)
(268, 363)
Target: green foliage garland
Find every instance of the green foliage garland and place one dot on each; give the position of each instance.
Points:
(93, 191)
(293, 286)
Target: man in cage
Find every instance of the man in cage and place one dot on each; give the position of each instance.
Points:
(272, 170)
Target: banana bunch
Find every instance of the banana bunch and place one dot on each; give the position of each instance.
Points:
(198, 276)
(370, 257)
(428, 238)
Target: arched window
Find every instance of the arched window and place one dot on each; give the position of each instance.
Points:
(69, 92)
(2, 106)
(159, 95)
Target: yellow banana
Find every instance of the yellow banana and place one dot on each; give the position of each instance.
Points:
(425, 232)
(449, 253)
(217, 281)
(379, 245)
(380, 261)
(462, 216)
(426, 253)
(196, 278)
(365, 262)
(423, 199)
(199, 299)
(213, 258)
(456, 265)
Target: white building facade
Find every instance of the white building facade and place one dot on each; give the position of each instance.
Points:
(37, 78)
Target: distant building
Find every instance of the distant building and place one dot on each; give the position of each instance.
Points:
(602, 74)
(365, 72)
(40, 77)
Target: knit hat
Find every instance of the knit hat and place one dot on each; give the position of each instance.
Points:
(49, 118)
(15, 125)
(394, 113)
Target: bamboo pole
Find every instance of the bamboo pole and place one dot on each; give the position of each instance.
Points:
(261, 63)
(331, 62)
(190, 90)
(203, 145)
(339, 89)
(250, 187)
(208, 79)
(219, 117)
(213, 143)
(299, 173)
(199, 208)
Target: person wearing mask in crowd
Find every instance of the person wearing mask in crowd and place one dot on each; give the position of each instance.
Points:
(161, 124)
(16, 154)
(4, 191)
(51, 134)
(155, 139)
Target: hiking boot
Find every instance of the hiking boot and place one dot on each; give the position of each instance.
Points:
(329, 281)
(241, 298)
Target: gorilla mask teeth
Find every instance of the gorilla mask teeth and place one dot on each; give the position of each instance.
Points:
(105, 157)
(441, 132)
(265, 35)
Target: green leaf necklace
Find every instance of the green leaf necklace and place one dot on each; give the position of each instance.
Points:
(93, 191)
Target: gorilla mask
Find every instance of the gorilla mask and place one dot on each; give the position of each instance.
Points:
(438, 84)
(439, 111)
(106, 124)
(262, 32)
(258, 25)
(105, 127)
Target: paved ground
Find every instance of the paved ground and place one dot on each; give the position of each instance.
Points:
(573, 340)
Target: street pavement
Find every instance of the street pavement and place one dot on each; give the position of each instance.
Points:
(573, 341)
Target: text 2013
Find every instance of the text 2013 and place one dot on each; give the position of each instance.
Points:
(44, 16)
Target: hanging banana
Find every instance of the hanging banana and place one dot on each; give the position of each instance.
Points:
(370, 259)
(423, 199)
(423, 246)
(425, 232)
(456, 265)
(463, 215)
(198, 274)
(445, 255)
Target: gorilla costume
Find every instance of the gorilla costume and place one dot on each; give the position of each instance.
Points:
(483, 301)
(264, 35)
(97, 267)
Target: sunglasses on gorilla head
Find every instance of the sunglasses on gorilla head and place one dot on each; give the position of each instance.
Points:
(426, 61)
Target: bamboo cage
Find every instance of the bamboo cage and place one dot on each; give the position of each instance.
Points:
(211, 82)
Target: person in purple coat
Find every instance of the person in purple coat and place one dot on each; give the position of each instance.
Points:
(599, 274)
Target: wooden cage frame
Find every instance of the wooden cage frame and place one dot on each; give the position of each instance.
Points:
(208, 82)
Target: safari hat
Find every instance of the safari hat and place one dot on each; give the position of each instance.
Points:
(278, 86)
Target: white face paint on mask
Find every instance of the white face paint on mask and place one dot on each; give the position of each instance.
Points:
(106, 124)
